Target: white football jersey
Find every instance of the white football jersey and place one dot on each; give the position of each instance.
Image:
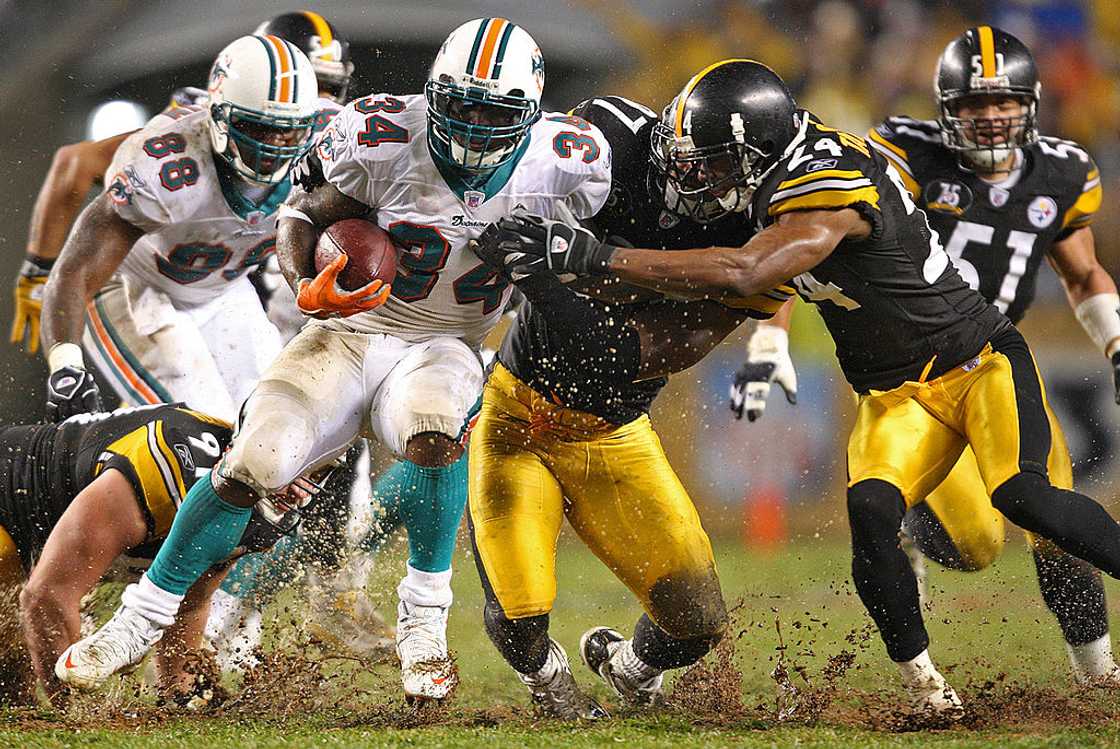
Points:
(376, 152)
(201, 234)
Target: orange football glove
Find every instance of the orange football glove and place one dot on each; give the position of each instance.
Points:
(322, 296)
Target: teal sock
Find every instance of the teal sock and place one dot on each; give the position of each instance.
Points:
(262, 575)
(206, 531)
(387, 506)
(431, 506)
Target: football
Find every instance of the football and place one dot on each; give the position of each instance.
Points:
(371, 252)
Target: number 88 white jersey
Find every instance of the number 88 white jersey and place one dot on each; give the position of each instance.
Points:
(376, 152)
(200, 233)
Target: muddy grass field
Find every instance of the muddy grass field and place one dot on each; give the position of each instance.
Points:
(803, 667)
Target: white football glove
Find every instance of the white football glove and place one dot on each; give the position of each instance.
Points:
(767, 361)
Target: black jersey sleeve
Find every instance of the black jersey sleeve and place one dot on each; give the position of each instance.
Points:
(162, 458)
(903, 141)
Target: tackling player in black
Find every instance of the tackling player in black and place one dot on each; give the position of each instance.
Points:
(930, 358)
(1003, 198)
(77, 495)
(564, 431)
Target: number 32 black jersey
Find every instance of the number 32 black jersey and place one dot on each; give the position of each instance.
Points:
(996, 234)
(894, 304)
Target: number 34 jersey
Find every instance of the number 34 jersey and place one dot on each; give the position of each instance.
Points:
(200, 232)
(996, 234)
(376, 152)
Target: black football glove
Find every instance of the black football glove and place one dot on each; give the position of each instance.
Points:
(768, 361)
(1116, 375)
(533, 244)
(70, 391)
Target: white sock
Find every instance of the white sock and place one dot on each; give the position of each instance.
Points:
(1093, 659)
(152, 602)
(426, 588)
(920, 671)
(625, 662)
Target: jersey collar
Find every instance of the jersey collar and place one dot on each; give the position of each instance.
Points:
(488, 186)
(242, 205)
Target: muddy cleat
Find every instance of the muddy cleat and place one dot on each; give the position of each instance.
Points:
(427, 672)
(555, 692)
(117, 647)
(1093, 665)
(929, 693)
(234, 631)
(597, 650)
(349, 623)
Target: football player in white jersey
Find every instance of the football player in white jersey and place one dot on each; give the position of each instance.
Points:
(161, 257)
(434, 170)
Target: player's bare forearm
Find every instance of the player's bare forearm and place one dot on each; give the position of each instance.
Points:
(296, 239)
(100, 241)
(795, 243)
(184, 637)
(1075, 261)
(75, 170)
(675, 335)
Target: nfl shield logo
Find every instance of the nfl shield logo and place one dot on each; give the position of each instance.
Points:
(254, 218)
(473, 198)
(998, 196)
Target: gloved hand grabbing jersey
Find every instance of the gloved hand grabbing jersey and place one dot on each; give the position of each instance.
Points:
(523, 244)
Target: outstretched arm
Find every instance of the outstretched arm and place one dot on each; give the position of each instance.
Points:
(101, 523)
(797, 242)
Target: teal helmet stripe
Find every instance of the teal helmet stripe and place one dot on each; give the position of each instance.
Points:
(477, 44)
(502, 49)
(271, 67)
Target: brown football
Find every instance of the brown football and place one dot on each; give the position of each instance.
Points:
(370, 250)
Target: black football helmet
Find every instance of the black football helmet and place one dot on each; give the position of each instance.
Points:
(719, 137)
(986, 61)
(329, 53)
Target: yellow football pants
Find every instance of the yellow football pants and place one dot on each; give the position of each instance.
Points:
(533, 463)
(11, 571)
(914, 435)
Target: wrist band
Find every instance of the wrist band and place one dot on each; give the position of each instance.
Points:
(286, 211)
(65, 355)
(1100, 316)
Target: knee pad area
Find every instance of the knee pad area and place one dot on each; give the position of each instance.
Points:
(1021, 496)
(875, 507)
(274, 442)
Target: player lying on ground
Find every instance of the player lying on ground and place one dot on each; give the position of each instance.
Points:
(435, 169)
(78, 496)
(1004, 198)
(564, 431)
(929, 356)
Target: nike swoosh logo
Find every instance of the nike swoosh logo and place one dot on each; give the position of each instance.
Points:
(69, 663)
(439, 680)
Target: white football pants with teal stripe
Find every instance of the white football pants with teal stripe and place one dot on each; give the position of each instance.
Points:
(153, 350)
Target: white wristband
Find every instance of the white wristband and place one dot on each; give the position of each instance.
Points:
(767, 340)
(286, 211)
(1100, 316)
(65, 355)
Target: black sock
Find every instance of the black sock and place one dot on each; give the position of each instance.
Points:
(1073, 591)
(883, 577)
(657, 648)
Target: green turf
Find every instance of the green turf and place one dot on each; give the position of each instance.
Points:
(991, 636)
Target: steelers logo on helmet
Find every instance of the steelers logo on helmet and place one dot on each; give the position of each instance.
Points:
(720, 136)
(483, 93)
(319, 40)
(262, 106)
(987, 91)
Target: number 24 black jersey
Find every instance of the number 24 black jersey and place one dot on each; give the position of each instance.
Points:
(894, 304)
(996, 234)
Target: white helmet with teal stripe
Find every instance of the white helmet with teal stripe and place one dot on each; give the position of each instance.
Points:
(484, 93)
(263, 102)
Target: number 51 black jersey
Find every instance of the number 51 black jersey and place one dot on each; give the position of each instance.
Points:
(996, 233)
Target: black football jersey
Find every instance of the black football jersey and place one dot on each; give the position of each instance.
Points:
(894, 304)
(161, 449)
(996, 234)
(633, 216)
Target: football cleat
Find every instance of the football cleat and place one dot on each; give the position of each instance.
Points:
(234, 630)
(427, 672)
(558, 695)
(117, 647)
(930, 695)
(596, 648)
(349, 623)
